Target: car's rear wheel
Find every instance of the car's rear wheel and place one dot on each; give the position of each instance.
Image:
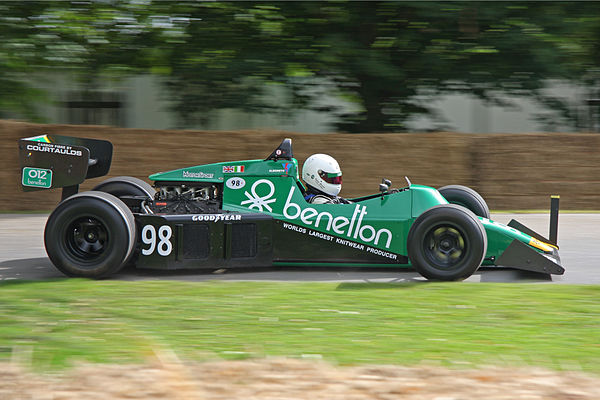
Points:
(126, 186)
(447, 242)
(90, 234)
(132, 191)
(466, 197)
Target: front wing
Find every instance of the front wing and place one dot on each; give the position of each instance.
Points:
(520, 256)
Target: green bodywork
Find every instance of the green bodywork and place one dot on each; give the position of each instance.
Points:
(381, 221)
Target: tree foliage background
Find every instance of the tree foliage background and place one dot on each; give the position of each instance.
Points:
(389, 59)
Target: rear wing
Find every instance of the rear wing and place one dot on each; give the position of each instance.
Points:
(55, 161)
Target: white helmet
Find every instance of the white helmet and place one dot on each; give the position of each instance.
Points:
(323, 173)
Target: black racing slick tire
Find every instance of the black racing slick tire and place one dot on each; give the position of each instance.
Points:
(126, 186)
(90, 235)
(466, 197)
(447, 243)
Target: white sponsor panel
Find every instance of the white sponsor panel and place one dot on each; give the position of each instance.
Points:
(235, 183)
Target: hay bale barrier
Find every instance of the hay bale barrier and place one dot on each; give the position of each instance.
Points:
(511, 171)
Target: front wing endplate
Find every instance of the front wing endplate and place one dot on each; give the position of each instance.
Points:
(520, 256)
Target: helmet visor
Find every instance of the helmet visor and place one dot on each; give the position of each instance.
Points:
(333, 178)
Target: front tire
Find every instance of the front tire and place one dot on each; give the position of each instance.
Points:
(90, 235)
(466, 197)
(447, 243)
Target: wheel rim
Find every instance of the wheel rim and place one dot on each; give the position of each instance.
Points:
(445, 246)
(87, 239)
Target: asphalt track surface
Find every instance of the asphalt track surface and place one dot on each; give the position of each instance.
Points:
(22, 257)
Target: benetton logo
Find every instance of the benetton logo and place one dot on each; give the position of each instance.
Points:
(352, 228)
(257, 201)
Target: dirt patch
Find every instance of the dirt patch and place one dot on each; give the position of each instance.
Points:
(292, 379)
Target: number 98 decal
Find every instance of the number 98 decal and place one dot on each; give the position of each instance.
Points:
(157, 240)
(235, 183)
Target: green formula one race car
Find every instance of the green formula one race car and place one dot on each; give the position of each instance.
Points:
(254, 214)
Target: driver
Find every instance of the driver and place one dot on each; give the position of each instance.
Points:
(323, 178)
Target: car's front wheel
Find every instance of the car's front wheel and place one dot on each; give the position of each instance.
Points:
(466, 197)
(447, 242)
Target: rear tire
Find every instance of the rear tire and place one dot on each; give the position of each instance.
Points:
(126, 186)
(466, 197)
(447, 243)
(90, 235)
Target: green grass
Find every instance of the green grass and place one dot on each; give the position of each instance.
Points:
(451, 324)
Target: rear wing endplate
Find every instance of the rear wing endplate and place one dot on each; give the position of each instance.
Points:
(55, 161)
